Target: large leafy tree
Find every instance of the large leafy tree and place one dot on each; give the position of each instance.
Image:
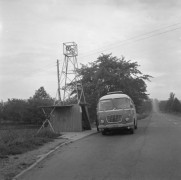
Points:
(110, 73)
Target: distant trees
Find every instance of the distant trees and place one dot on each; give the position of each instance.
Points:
(176, 105)
(171, 105)
(170, 102)
(26, 111)
(15, 110)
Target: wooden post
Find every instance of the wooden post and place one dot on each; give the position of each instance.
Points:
(58, 76)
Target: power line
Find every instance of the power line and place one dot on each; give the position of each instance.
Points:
(126, 41)
(112, 46)
(135, 38)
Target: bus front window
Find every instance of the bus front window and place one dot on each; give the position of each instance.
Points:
(105, 105)
(121, 103)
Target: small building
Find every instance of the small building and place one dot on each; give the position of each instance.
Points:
(69, 118)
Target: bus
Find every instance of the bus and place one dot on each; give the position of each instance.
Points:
(116, 111)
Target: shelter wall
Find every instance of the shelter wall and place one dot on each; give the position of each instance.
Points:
(67, 119)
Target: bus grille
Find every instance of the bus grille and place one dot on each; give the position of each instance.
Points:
(114, 118)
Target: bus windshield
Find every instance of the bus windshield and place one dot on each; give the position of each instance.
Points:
(105, 105)
(110, 104)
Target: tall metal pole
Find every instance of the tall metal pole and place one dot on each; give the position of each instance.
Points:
(69, 80)
(58, 77)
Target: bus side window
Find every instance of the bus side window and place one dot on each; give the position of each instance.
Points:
(131, 104)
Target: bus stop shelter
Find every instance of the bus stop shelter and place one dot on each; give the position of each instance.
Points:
(68, 118)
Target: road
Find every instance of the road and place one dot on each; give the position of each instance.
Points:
(153, 152)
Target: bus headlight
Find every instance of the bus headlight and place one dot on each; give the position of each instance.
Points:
(102, 121)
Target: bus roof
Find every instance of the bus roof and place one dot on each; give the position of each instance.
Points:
(113, 96)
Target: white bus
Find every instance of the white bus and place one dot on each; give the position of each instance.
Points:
(116, 111)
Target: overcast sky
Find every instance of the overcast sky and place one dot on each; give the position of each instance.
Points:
(32, 33)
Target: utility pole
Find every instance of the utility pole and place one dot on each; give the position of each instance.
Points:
(58, 77)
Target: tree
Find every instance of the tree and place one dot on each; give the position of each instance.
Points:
(110, 73)
(41, 94)
(40, 98)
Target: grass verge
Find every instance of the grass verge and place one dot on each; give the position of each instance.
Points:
(14, 142)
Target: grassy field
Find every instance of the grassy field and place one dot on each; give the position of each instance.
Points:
(18, 141)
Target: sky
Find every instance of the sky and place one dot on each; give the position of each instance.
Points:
(32, 33)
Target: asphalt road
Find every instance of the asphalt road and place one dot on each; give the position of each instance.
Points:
(153, 152)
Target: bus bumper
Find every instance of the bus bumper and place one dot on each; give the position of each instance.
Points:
(116, 126)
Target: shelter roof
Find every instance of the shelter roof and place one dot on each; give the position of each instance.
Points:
(57, 106)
